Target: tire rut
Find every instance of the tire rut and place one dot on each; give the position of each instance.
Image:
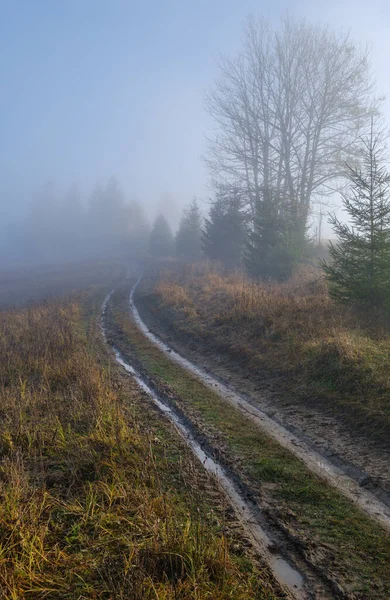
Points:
(300, 579)
(317, 463)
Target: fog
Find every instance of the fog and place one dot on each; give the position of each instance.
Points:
(105, 101)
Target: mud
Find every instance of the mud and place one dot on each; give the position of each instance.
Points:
(246, 510)
(325, 576)
(348, 464)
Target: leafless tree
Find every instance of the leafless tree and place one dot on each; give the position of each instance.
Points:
(290, 110)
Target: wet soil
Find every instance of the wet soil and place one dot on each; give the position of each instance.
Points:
(192, 469)
(291, 560)
(353, 455)
(325, 575)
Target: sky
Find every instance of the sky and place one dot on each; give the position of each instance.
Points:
(94, 88)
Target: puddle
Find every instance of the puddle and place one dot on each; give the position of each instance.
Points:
(315, 462)
(283, 571)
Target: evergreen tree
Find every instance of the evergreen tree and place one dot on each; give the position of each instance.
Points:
(189, 235)
(359, 270)
(161, 241)
(269, 252)
(224, 231)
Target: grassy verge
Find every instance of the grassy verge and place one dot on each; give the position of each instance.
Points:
(93, 502)
(288, 335)
(332, 533)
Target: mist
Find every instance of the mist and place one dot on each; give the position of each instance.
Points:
(102, 101)
(195, 299)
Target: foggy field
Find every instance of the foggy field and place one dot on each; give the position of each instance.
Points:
(195, 300)
(20, 286)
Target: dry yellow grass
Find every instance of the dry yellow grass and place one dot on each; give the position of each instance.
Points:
(242, 298)
(343, 543)
(92, 504)
(328, 354)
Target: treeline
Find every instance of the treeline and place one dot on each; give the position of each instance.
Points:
(226, 235)
(63, 228)
(295, 114)
(290, 111)
(187, 243)
(358, 271)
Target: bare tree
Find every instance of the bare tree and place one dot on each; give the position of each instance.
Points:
(290, 110)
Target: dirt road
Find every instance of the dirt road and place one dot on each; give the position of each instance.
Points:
(338, 476)
(289, 577)
(317, 557)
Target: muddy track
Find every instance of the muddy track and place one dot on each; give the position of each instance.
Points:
(290, 566)
(246, 511)
(343, 475)
(354, 452)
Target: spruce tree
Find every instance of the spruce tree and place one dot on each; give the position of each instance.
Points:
(161, 242)
(224, 231)
(268, 254)
(359, 269)
(189, 235)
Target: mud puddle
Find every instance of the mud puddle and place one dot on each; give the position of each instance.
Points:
(316, 462)
(285, 573)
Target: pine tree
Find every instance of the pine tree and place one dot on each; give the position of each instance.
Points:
(359, 270)
(224, 231)
(161, 242)
(269, 251)
(189, 235)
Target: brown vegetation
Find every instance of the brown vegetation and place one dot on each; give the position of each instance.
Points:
(331, 534)
(92, 504)
(289, 333)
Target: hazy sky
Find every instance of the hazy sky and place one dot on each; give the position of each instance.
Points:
(91, 88)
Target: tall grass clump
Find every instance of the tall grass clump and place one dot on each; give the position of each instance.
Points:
(90, 501)
(293, 333)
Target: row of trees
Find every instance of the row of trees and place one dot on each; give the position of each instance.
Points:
(359, 267)
(294, 119)
(225, 235)
(290, 110)
(63, 228)
(187, 244)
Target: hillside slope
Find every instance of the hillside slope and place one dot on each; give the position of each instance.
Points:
(320, 370)
(99, 496)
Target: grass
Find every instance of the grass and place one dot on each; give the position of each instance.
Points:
(99, 498)
(344, 544)
(291, 334)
